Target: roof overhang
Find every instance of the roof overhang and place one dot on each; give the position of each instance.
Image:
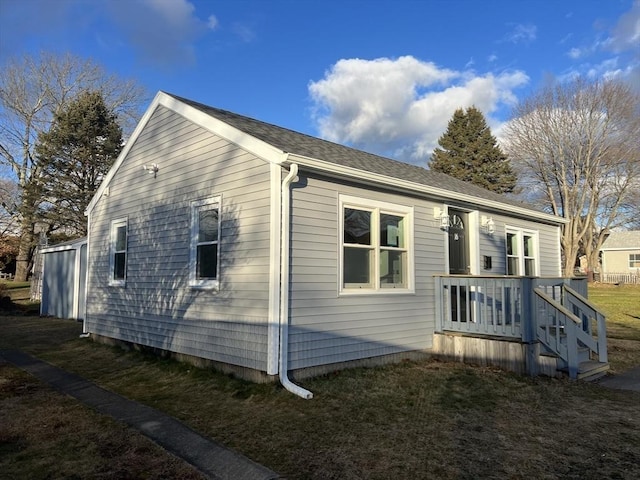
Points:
(376, 179)
(259, 148)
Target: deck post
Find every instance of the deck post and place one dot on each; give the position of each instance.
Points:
(529, 326)
(439, 320)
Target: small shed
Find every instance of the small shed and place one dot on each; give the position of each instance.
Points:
(64, 277)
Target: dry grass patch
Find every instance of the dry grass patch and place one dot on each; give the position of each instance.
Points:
(45, 435)
(408, 421)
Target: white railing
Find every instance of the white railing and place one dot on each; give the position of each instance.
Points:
(533, 310)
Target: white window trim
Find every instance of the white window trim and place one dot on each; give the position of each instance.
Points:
(348, 201)
(115, 224)
(520, 233)
(197, 283)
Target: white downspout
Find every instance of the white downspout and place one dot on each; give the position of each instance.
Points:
(284, 288)
(86, 334)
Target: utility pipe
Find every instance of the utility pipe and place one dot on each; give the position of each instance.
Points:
(284, 287)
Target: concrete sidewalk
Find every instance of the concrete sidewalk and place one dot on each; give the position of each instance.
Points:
(210, 458)
(629, 380)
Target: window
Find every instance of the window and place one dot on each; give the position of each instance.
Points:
(634, 260)
(375, 251)
(118, 252)
(522, 252)
(205, 239)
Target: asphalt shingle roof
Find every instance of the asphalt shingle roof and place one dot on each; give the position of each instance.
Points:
(305, 145)
(630, 240)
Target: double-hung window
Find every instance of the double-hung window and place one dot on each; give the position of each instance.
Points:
(376, 246)
(118, 252)
(634, 260)
(522, 252)
(204, 262)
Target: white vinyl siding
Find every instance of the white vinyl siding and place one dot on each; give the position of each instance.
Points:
(158, 307)
(328, 326)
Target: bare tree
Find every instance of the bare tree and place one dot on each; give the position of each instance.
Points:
(577, 146)
(32, 90)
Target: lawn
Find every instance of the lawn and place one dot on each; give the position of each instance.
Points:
(413, 420)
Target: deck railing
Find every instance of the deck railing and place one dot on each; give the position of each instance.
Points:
(544, 310)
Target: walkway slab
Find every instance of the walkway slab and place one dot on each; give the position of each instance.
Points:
(210, 458)
(629, 380)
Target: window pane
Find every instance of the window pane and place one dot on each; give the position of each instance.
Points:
(357, 265)
(392, 268)
(357, 226)
(528, 246)
(512, 246)
(391, 231)
(121, 238)
(119, 265)
(207, 265)
(512, 266)
(529, 267)
(208, 225)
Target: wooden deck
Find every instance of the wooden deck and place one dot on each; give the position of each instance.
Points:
(527, 325)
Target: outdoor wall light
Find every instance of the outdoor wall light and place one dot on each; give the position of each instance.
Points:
(153, 168)
(487, 225)
(441, 215)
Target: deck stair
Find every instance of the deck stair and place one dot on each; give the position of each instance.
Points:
(565, 329)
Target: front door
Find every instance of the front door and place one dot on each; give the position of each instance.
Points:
(458, 244)
(458, 263)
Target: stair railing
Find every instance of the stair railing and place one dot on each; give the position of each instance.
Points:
(589, 314)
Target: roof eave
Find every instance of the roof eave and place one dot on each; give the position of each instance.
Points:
(261, 149)
(377, 179)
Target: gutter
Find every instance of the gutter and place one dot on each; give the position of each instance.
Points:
(284, 287)
(411, 187)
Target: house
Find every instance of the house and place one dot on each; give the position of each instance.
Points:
(216, 236)
(620, 257)
(64, 274)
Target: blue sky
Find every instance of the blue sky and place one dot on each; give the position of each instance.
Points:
(381, 75)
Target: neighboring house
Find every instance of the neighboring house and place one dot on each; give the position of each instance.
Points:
(620, 257)
(221, 237)
(63, 277)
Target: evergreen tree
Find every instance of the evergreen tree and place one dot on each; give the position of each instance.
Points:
(75, 155)
(469, 152)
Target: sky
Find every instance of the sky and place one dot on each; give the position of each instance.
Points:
(384, 76)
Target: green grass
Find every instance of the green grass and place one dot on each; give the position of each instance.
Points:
(412, 420)
(621, 306)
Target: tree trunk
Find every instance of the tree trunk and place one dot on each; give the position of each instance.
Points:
(24, 258)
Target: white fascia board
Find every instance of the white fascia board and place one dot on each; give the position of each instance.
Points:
(619, 249)
(363, 176)
(259, 148)
(63, 248)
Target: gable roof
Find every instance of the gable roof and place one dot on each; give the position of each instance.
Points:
(629, 240)
(303, 145)
(280, 145)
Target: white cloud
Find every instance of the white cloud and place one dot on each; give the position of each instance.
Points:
(522, 34)
(212, 22)
(400, 107)
(626, 34)
(164, 31)
(575, 53)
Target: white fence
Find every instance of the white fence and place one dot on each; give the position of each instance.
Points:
(631, 278)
